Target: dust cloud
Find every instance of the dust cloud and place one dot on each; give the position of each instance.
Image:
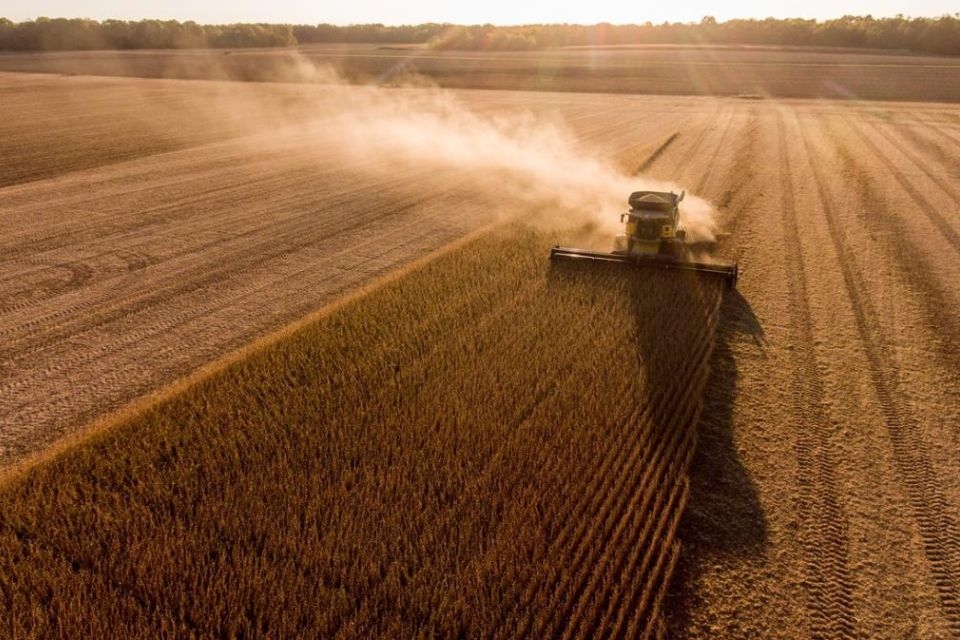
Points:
(513, 157)
(527, 164)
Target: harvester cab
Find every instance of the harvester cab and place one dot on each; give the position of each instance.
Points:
(653, 237)
(652, 225)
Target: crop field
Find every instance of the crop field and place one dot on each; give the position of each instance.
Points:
(479, 444)
(392, 495)
(221, 229)
(652, 69)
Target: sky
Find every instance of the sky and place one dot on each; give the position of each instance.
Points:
(503, 12)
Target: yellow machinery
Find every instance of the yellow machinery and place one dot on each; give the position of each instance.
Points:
(653, 237)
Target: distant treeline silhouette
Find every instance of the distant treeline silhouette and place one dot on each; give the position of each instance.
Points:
(59, 34)
(928, 35)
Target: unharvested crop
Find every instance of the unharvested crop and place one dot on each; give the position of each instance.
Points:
(485, 446)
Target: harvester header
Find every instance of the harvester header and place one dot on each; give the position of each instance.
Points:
(653, 237)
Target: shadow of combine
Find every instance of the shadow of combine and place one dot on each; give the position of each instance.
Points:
(723, 518)
(673, 329)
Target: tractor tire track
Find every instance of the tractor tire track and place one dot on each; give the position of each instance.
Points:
(301, 232)
(697, 143)
(825, 528)
(906, 152)
(939, 131)
(741, 194)
(21, 410)
(915, 265)
(273, 248)
(203, 263)
(939, 533)
(931, 145)
(929, 209)
(704, 181)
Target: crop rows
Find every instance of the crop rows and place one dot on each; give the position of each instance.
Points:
(121, 272)
(939, 532)
(638, 70)
(824, 532)
(486, 446)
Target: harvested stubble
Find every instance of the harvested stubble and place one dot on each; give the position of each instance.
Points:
(482, 447)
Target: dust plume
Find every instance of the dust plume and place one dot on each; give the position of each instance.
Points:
(515, 157)
(525, 164)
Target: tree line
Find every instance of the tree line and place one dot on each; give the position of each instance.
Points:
(939, 35)
(61, 34)
(927, 35)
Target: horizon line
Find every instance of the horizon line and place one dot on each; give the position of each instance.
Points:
(900, 16)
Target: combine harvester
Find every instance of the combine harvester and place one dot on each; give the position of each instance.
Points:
(653, 238)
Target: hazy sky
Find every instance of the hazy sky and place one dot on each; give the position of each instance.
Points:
(494, 11)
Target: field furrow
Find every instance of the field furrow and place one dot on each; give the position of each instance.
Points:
(242, 230)
(693, 150)
(476, 458)
(934, 143)
(940, 533)
(825, 528)
(945, 224)
(642, 465)
(906, 147)
(468, 441)
(369, 618)
(573, 519)
(915, 266)
(704, 181)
